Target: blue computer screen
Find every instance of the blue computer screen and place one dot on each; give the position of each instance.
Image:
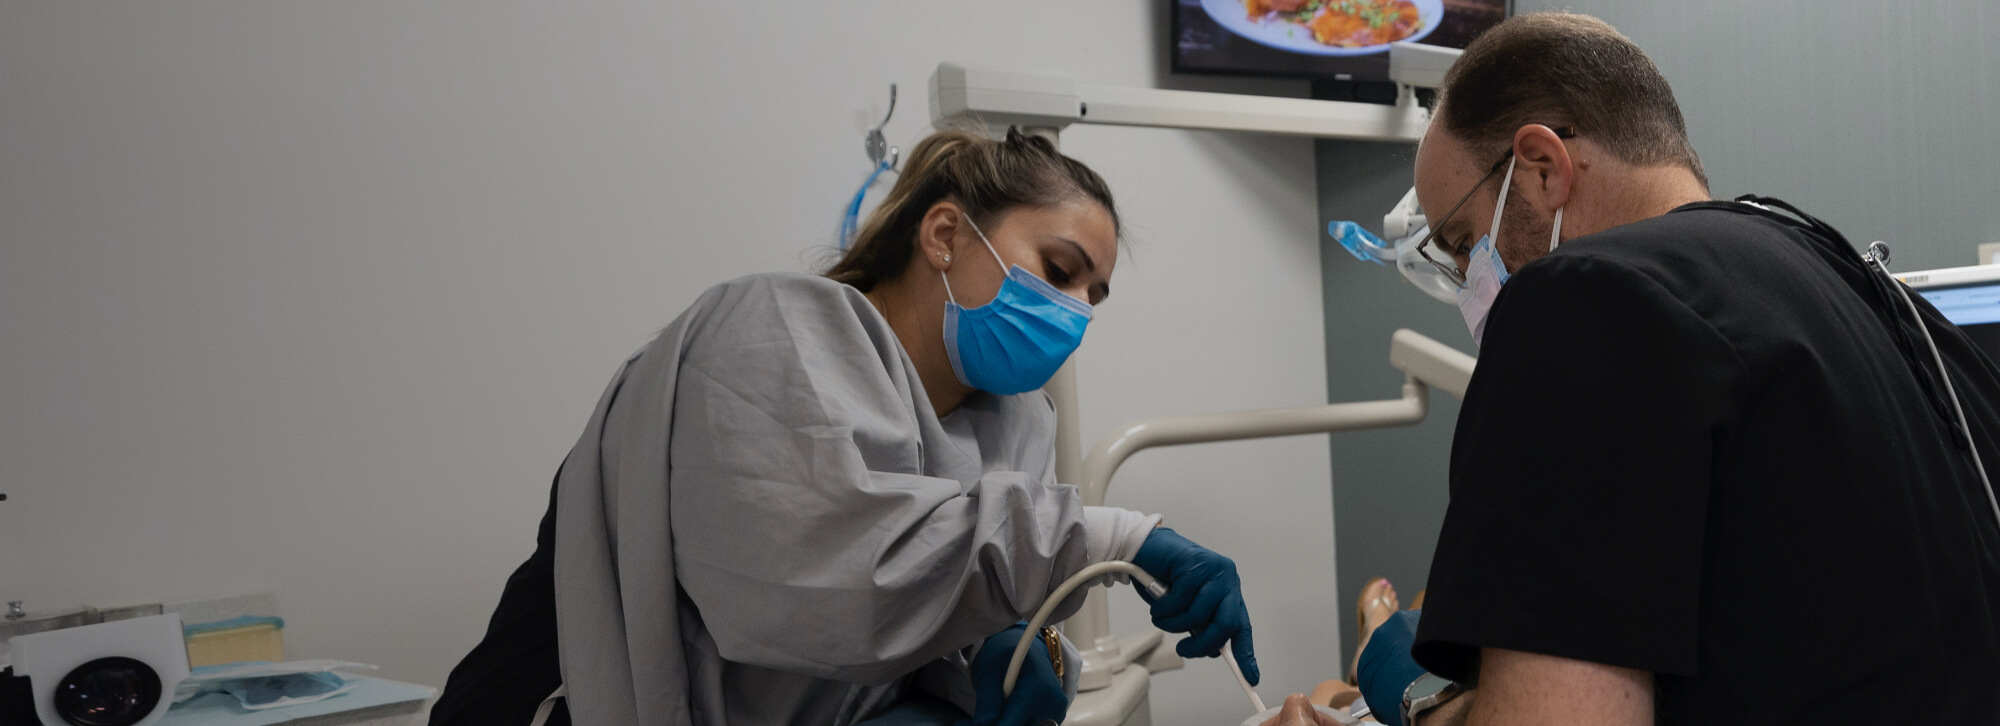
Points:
(1967, 305)
(1975, 309)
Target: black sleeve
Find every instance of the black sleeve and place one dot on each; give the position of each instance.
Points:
(504, 679)
(1580, 475)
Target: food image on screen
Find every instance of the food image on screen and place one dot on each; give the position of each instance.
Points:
(1326, 27)
(1342, 23)
(1342, 40)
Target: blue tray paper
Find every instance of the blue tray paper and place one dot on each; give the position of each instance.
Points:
(222, 709)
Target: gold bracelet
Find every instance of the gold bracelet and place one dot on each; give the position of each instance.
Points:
(1054, 642)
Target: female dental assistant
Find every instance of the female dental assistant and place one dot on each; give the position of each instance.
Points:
(811, 499)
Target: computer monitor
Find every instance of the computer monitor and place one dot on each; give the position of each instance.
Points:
(1968, 296)
(1335, 40)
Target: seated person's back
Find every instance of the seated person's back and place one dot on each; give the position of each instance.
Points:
(1728, 448)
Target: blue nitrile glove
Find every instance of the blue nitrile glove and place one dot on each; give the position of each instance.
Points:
(1204, 598)
(1038, 694)
(1386, 669)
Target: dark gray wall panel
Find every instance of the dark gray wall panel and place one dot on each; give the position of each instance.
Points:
(1389, 485)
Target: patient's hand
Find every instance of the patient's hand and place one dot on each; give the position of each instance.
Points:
(1298, 711)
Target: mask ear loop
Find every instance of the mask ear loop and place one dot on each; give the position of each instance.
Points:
(1555, 234)
(989, 248)
(982, 238)
(1501, 206)
(947, 287)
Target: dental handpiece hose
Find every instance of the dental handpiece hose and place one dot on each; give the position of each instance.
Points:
(1084, 577)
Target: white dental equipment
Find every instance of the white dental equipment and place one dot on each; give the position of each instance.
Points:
(1405, 219)
(1087, 576)
(1404, 225)
(1424, 362)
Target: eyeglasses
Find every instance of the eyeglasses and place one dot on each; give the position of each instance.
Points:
(1449, 267)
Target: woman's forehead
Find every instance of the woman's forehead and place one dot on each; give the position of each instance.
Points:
(1082, 221)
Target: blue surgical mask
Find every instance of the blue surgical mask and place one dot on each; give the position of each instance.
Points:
(1015, 343)
(1484, 276)
(1486, 273)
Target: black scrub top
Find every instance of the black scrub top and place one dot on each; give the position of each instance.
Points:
(506, 677)
(1702, 445)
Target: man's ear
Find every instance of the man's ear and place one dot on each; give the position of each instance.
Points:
(1544, 170)
(937, 234)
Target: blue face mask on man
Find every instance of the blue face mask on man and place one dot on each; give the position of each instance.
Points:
(1015, 343)
(1486, 272)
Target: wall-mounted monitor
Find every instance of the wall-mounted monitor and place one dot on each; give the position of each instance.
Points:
(1344, 40)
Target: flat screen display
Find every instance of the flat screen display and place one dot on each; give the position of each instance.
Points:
(1975, 309)
(1344, 40)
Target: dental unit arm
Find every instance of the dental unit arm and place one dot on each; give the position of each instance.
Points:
(1425, 364)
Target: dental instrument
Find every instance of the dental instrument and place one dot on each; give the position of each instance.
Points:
(1089, 575)
(1424, 362)
(1877, 256)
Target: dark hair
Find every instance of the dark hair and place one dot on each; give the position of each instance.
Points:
(1565, 69)
(986, 177)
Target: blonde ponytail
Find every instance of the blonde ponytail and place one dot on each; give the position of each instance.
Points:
(984, 176)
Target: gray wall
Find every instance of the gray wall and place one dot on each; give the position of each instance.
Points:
(310, 298)
(1389, 486)
(1877, 117)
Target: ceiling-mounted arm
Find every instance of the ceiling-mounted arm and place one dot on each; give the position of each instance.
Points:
(1116, 106)
(998, 98)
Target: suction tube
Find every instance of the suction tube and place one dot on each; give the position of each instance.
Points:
(1085, 577)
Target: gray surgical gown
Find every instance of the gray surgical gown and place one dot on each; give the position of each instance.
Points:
(765, 521)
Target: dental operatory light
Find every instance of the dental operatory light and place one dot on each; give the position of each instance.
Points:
(1412, 66)
(1404, 225)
